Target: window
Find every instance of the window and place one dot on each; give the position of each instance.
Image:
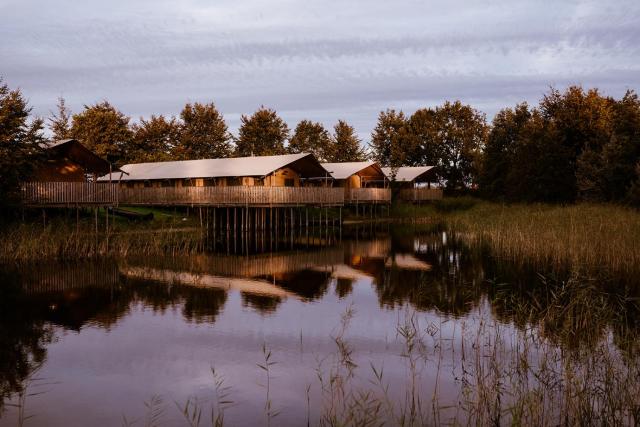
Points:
(258, 182)
(130, 184)
(233, 181)
(209, 182)
(289, 182)
(167, 183)
(188, 182)
(147, 184)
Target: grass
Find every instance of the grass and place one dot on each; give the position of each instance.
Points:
(589, 238)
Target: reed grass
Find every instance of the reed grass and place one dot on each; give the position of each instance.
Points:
(596, 239)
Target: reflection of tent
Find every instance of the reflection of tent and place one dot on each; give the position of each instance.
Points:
(251, 286)
(407, 262)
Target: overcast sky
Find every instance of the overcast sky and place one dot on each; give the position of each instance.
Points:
(315, 59)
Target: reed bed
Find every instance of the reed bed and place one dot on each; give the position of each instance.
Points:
(591, 238)
(61, 241)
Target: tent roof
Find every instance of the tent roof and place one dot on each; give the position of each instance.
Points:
(407, 173)
(75, 151)
(346, 169)
(303, 163)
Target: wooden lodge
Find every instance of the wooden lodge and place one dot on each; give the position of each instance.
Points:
(414, 182)
(363, 182)
(67, 175)
(286, 180)
(73, 176)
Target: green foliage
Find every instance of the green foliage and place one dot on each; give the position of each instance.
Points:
(575, 145)
(60, 122)
(103, 129)
(346, 145)
(391, 139)
(20, 143)
(449, 137)
(204, 133)
(311, 137)
(153, 140)
(262, 134)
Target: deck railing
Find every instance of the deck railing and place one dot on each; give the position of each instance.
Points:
(231, 196)
(421, 194)
(69, 193)
(367, 195)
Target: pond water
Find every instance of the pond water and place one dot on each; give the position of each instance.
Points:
(385, 324)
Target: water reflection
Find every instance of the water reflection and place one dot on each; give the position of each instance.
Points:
(430, 272)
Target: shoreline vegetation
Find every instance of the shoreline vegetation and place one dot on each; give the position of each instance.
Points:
(592, 239)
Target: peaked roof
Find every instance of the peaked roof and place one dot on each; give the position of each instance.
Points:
(214, 168)
(77, 152)
(346, 169)
(407, 173)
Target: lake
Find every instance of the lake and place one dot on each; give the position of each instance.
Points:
(357, 326)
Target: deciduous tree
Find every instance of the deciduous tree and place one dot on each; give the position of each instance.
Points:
(391, 142)
(311, 137)
(153, 140)
(103, 129)
(204, 133)
(262, 134)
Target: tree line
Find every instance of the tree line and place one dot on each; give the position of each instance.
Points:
(200, 131)
(575, 145)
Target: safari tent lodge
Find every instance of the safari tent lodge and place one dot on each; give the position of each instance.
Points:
(363, 182)
(415, 182)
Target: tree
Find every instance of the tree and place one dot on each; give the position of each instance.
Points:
(103, 129)
(153, 140)
(582, 121)
(262, 134)
(390, 140)
(425, 148)
(204, 133)
(20, 142)
(60, 122)
(346, 145)
(508, 130)
(311, 137)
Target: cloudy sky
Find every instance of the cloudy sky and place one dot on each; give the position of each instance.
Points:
(317, 59)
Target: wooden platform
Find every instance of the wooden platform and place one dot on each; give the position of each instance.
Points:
(71, 194)
(367, 195)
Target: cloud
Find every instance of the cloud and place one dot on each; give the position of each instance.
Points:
(322, 60)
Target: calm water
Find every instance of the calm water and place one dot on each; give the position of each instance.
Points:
(89, 344)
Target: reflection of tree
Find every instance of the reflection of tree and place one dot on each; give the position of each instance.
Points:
(202, 305)
(263, 304)
(23, 337)
(308, 284)
(344, 287)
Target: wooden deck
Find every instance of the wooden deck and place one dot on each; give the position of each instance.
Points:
(367, 195)
(69, 194)
(420, 194)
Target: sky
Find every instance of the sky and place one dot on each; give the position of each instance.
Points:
(322, 60)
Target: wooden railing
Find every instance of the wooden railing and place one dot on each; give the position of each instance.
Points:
(367, 195)
(231, 196)
(101, 194)
(69, 193)
(421, 194)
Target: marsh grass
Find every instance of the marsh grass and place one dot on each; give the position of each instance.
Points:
(600, 239)
(61, 240)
